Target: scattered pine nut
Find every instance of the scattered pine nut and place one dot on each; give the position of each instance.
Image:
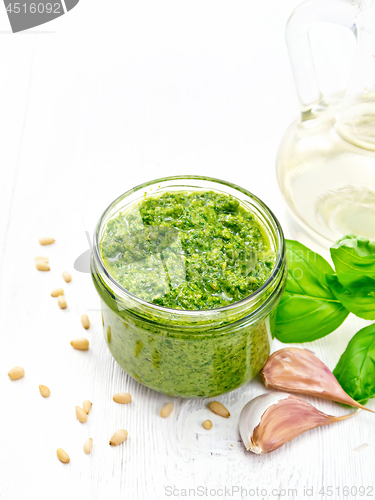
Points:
(85, 321)
(81, 344)
(81, 415)
(56, 292)
(219, 409)
(42, 266)
(41, 259)
(118, 437)
(44, 391)
(62, 456)
(67, 276)
(361, 447)
(207, 424)
(87, 447)
(61, 301)
(87, 406)
(166, 410)
(16, 373)
(123, 398)
(46, 241)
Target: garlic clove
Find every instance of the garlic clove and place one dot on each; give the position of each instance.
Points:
(298, 370)
(269, 421)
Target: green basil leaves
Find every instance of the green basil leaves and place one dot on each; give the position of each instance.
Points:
(355, 371)
(354, 259)
(317, 299)
(358, 298)
(308, 310)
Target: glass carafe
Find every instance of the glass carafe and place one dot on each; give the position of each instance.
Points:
(326, 160)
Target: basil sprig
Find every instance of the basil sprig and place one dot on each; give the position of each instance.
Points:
(317, 299)
(308, 309)
(355, 370)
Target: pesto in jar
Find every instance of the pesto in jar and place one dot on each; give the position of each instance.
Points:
(188, 253)
(187, 250)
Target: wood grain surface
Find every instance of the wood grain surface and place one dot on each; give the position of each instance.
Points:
(103, 104)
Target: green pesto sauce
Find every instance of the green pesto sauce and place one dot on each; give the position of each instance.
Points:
(187, 364)
(187, 250)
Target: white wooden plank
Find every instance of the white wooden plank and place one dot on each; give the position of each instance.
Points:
(98, 121)
(15, 78)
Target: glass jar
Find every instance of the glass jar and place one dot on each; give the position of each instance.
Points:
(190, 353)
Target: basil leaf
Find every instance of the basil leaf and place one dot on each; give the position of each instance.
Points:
(308, 309)
(354, 259)
(358, 298)
(355, 370)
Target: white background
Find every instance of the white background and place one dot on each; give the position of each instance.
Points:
(106, 97)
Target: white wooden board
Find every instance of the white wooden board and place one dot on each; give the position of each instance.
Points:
(100, 105)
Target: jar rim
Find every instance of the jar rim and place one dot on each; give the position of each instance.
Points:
(189, 314)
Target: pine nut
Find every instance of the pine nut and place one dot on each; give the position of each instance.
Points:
(42, 266)
(46, 241)
(62, 456)
(207, 424)
(219, 409)
(118, 437)
(61, 301)
(85, 321)
(81, 415)
(16, 373)
(87, 406)
(42, 259)
(87, 447)
(56, 292)
(44, 391)
(166, 410)
(81, 344)
(123, 398)
(109, 333)
(67, 276)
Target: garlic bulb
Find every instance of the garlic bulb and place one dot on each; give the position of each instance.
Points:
(269, 421)
(298, 370)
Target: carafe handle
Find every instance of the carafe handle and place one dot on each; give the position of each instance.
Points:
(341, 12)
